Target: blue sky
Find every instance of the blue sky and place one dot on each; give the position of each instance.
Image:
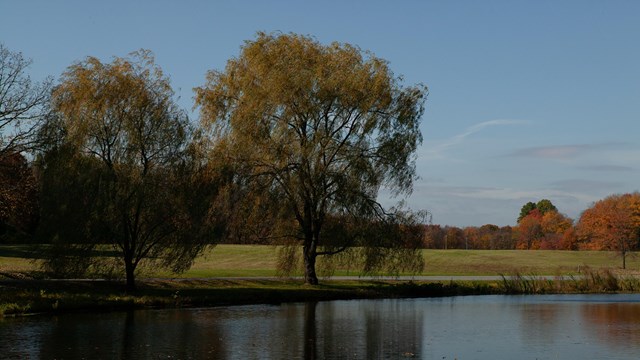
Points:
(528, 99)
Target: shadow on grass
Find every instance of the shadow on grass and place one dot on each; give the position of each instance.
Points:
(20, 251)
(36, 252)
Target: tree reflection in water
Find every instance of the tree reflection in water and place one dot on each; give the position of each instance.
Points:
(310, 335)
(614, 324)
(463, 327)
(363, 330)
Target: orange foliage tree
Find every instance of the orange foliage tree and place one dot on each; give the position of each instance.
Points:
(529, 231)
(550, 230)
(489, 237)
(612, 224)
(557, 229)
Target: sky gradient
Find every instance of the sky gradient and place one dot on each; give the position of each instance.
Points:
(527, 99)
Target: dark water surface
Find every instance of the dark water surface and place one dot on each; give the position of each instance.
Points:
(475, 327)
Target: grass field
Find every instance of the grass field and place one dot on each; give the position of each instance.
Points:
(542, 262)
(260, 261)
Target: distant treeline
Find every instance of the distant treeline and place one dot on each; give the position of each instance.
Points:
(610, 224)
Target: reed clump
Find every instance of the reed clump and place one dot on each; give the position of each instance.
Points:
(588, 281)
(520, 283)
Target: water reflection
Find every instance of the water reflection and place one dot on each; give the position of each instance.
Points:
(542, 323)
(613, 324)
(587, 327)
(310, 334)
(130, 335)
(357, 329)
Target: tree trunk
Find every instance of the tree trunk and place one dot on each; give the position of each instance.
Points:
(310, 255)
(310, 336)
(130, 273)
(623, 252)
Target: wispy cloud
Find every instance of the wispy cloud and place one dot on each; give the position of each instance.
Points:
(437, 150)
(553, 152)
(589, 186)
(552, 191)
(561, 151)
(498, 205)
(607, 168)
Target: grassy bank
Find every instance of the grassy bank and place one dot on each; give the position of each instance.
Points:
(21, 292)
(18, 297)
(38, 296)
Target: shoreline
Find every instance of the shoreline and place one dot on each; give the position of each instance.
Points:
(21, 297)
(26, 297)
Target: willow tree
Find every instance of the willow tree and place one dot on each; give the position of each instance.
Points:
(321, 129)
(124, 154)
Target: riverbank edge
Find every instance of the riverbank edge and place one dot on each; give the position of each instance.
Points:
(28, 297)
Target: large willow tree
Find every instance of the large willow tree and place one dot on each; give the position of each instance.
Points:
(121, 169)
(316, 131)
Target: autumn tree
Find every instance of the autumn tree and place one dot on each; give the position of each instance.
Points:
(612, 223)
(319, 127)
(526, 209)
(489, 237)
(486, 237)
(124, 153)
(474, 237)
(23, 103)
(529, 231)
(454, 238)
(505, 239)
(434, 237)
(544, 231)
(555, 222)
(18, 198)
(557, 229)
(543, 206)
(569, 240)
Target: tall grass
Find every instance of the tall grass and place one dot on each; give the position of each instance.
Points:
(588, 281)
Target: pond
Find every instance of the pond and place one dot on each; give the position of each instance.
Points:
(473, 327)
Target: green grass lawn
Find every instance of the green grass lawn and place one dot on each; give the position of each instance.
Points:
(244, 260)
(259, 261)
(234, 260)
(543, 262)
(16, 259)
